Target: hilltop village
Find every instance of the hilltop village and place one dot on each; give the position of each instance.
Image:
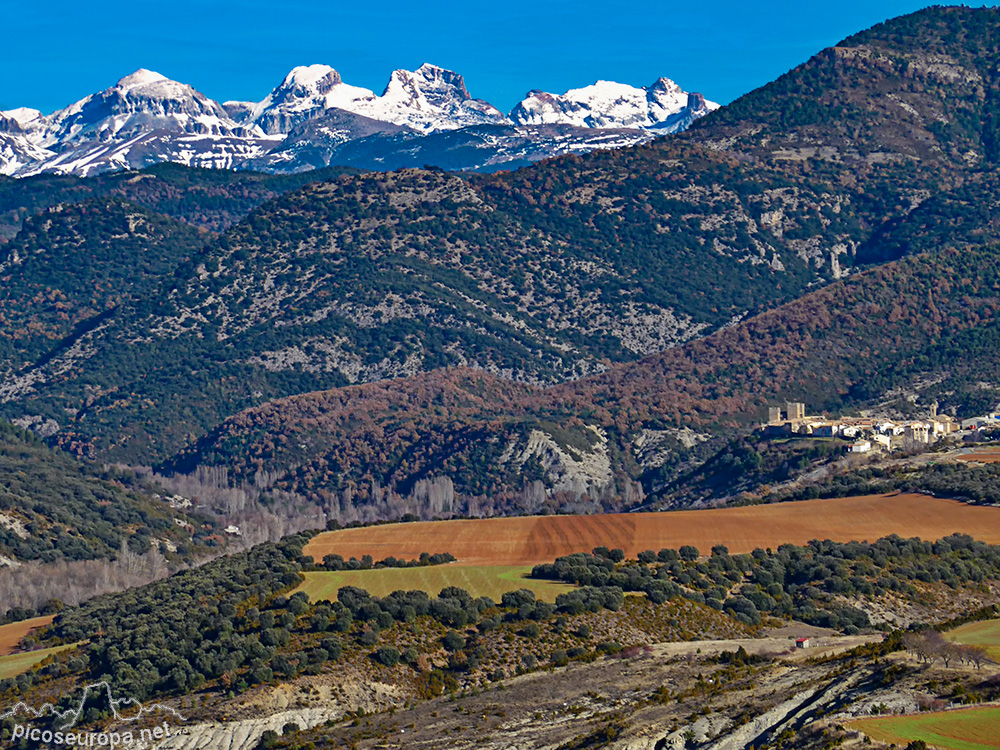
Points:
(871, 433)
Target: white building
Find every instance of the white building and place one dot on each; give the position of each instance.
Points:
(860, 446)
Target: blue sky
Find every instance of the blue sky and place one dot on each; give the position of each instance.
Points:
(59, 51)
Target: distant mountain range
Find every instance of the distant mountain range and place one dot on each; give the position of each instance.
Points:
(579, 333)
(314, 119)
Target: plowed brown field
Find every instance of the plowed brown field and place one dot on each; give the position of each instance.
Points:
(11, 635)
(983, 457)
(532, 540)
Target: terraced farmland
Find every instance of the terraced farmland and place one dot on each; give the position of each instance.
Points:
(537, 539)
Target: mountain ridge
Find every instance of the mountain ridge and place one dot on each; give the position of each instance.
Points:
(146, 118)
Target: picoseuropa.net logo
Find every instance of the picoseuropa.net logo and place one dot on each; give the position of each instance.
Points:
(59, 723)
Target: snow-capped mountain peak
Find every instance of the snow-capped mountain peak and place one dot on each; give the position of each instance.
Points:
(141, 77)
(313, 118)
(428, 83)
(665, 85)
(430, 98)
(318, 77)
(606, 104)
(141, 102)
(304, 94)
(26, 118)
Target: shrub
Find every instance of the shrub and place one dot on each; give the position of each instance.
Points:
(387, 656)
(267, 740)
(333, 647)
(689, 553)
(517, 599)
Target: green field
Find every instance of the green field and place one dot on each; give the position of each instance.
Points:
(968, 729)
(985, 633)
(491, 581)
(14, 664)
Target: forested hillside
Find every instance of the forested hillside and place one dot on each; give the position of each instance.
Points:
(720, 256)
(920, 89)
(835, 349)
(235, 624)
(552, 274)
(73, 265)
(209, 198)
(53, 508)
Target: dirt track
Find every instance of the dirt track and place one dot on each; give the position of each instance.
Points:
(785, 647)
(532, 540)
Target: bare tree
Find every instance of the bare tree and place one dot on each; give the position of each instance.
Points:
(973, 654)
(919, 645)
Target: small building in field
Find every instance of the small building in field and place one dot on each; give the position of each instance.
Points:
(801, 643)
(860, 446)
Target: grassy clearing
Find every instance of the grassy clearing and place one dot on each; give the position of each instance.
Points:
(14, 664)
(968, 729)
(491, 581)
(985, 633)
